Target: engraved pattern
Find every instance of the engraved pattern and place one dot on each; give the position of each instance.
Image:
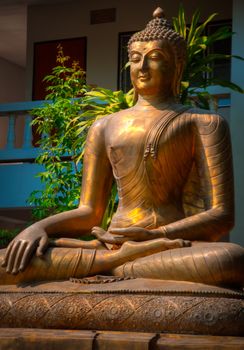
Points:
(123, 312)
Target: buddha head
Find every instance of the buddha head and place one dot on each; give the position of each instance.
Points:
(157, 57)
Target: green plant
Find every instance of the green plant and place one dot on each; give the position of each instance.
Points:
(55, 123)
(199, 64)
(63, 125)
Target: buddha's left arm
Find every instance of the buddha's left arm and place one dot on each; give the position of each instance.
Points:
(213, 158)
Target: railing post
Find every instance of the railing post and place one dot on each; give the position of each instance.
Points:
(11, 132)
(27, 132)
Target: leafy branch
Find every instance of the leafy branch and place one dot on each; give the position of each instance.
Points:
(200, 62)
(62, 127)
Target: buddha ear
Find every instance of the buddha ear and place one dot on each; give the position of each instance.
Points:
(177, 78)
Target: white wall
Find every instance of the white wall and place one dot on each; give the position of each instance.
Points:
(12, 89)
(12, 82)
(237, 119)
(59, 21)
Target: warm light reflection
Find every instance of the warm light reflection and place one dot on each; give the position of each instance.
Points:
(135, 215)
(134, 129)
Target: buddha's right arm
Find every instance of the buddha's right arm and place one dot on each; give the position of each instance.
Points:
(96, 186)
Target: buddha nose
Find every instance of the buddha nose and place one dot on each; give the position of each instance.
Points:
(144, 64)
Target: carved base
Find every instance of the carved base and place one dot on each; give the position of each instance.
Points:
(135, 305)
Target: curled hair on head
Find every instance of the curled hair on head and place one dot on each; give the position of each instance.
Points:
(159, 28)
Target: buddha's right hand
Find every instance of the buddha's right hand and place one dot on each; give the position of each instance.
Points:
(33, 240)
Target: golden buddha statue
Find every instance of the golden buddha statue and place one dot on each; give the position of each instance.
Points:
(173, 169)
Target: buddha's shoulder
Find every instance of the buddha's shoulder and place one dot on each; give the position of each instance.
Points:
(118, 115)
(106, 120)
(99, 125)
(205, 118)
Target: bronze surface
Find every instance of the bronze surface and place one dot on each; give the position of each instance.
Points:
(133, 286)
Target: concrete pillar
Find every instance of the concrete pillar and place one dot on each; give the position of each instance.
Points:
(237, 119)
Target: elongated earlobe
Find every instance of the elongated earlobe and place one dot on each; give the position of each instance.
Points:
(177, 79)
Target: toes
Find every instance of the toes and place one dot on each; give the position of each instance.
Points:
(187, 243)
(176, 243)
(179, 243)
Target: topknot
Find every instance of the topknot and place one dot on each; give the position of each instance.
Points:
(160, 28)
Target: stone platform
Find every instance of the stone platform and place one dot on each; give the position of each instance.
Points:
(139, 305)
(47, 339)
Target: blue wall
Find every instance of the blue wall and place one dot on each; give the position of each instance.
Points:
(17, 181)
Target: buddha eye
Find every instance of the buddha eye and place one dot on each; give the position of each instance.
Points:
(135, 58)
(155, 56)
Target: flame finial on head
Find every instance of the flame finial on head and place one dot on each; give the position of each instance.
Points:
(158, 13)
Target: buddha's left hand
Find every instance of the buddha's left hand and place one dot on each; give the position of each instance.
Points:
(121, 235)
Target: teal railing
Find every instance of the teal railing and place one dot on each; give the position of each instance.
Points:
(10, 131)
(17, 168)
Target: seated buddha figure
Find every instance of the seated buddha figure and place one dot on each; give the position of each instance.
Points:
(173, 168)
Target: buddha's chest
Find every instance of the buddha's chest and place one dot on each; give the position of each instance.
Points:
(126, 141)
(128, 144)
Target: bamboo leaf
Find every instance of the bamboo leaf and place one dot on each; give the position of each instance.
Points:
(185, 84)
(201, 27)
(194, 21)
(182, 22)
(227, 84)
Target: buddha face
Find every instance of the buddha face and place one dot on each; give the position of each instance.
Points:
(152, 67)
